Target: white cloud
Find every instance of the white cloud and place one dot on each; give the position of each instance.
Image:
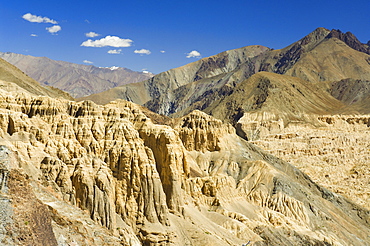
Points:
(33, 35)
(193, 53)
(163, 51)
(143, 52)
(87, 62)
(114, 51)
(54, 29)
(112, 41)
(38, 19)
(92, 34)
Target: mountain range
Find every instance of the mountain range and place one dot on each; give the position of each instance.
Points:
(323, 58)
(76, 79)
(13, 79)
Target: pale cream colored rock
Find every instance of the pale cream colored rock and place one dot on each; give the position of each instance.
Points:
(335, 155)
(201, 132)
(194, 183)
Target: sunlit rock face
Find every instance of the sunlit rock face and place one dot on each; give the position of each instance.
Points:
(334, 153)
(111, 170)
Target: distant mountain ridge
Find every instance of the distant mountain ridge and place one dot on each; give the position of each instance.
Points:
(161, 89)
(76, 79)
(351, 41)
(323, 56)
(13, 79)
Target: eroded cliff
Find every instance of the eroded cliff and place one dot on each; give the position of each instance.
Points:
(193, 182)
(334, 153)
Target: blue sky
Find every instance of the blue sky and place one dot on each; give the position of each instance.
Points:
(160, 35)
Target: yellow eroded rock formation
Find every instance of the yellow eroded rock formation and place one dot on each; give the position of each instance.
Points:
(192, 182)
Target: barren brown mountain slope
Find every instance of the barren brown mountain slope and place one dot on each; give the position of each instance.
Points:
(10, 75)
(318, 57)
(76, 79)
(161, 87)
(353, 92)
(332, 60)
(321, 56)
(283, 97)
(351, 41)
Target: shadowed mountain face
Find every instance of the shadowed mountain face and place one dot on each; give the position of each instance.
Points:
(321, 56)
(350, 40)
(284, 95)
(158, 93)
(78, 80)
(354, 93)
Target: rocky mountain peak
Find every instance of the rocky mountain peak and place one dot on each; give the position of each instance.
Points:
(317, 35)
(291, 54)
(350, 39)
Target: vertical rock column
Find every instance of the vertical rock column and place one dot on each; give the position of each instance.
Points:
(170, 161)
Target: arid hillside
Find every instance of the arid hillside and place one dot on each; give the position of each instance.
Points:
(321, 58)
(76, 79)
(160, 91)
(12, 79)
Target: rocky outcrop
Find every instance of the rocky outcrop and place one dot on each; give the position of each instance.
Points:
(350, 40)
(201, 132)
(101, 166)
(193, 181)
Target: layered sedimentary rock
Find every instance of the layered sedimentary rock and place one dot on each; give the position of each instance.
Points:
(95, 160)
